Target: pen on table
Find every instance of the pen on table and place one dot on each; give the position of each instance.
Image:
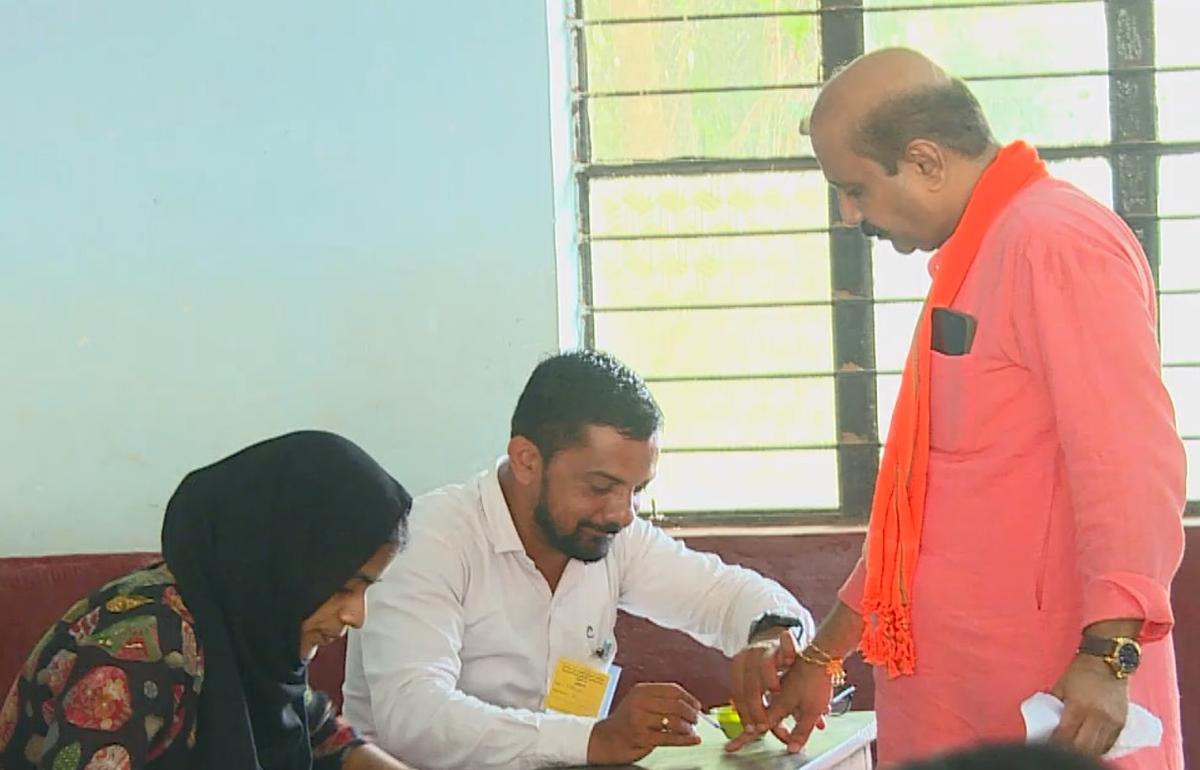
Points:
(707, 718)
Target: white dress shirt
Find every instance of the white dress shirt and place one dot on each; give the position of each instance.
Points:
(462, 635)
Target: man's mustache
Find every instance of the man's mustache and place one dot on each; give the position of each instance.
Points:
(608, 529)
(871, 231)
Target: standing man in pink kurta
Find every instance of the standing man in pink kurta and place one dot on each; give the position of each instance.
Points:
(1027, 516)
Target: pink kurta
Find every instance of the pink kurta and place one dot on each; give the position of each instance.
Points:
(1056, 485)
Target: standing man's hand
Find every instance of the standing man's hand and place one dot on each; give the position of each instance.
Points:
(756, 673)
(806, 687)
(1096, 704)
(652, 714)
(1095, 687)
(804, 696)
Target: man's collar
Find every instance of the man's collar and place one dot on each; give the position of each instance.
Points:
(502, 532)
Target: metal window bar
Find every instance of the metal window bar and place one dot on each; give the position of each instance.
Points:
(834, 302)
(802, 86)
(583, 155)
(826, 6)
(1133, 118)
(693, 166)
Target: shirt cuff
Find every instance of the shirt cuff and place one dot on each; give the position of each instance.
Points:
(563, 739)
(1117, 595)
(851, 592)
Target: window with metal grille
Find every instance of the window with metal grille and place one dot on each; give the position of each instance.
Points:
(711, 259)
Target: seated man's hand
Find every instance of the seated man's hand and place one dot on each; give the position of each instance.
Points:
(756, 672)
(652, 714)
(804, 695)
(370, 757)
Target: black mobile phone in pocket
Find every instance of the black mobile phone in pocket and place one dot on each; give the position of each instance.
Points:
(953, 332)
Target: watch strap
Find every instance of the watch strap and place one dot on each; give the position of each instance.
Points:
(773, 620)
(1098, 646)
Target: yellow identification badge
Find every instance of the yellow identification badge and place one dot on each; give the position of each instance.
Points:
(576, 688)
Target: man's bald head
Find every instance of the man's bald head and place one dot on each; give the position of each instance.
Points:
(903, 144)
(884, 100)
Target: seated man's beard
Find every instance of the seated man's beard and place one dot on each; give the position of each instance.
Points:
(573, 544)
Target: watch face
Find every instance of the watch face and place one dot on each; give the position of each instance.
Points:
(1128, 656)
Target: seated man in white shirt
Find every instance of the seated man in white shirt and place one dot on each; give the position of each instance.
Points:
(527, 564)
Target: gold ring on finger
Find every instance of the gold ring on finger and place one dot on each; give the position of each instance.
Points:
(666, 722)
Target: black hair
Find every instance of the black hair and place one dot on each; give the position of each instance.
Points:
(948, 114)
(570, 391)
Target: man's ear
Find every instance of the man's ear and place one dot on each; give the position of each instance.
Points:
(525, 460)
(929, 160)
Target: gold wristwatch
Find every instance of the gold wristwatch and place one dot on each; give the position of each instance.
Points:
(1122, 654)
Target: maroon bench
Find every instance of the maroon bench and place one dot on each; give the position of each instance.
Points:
(36, 591)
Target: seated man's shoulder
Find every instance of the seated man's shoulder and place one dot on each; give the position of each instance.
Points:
(452, 511)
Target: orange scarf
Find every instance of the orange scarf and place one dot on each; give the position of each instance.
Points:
(894, 534)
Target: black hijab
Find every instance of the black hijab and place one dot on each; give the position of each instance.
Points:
(257, 542)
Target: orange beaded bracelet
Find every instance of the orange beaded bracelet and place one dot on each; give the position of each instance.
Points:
(833, 666)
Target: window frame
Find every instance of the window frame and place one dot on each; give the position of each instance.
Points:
(1133, 152)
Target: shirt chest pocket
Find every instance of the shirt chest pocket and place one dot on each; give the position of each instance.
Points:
(583, 615)
(955, 402)
(595, 633)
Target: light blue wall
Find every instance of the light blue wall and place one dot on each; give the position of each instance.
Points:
(220, 222)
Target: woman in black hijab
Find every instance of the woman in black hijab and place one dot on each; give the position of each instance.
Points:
(201, 661)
